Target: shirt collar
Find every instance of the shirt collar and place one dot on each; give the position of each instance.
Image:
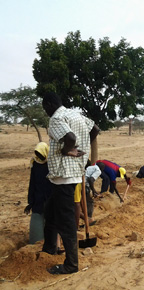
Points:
(58, 111)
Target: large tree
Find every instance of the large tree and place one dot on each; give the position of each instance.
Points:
(96, 79)
(24, 103)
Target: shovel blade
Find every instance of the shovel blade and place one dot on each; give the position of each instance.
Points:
(87, 243)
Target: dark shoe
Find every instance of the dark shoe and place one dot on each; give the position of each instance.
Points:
(92, 223)
(49, 252)
(82, 226)
(60, 251)
(111, 192)
(100, 195)
(58, 269)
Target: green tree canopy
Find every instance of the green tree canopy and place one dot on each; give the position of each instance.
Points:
(94, 79)
(24, 103)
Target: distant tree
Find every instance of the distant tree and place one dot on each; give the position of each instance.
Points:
(138, 124)
(23, 103)
(2, 121)
(25, 121)
(40, 117)
(118, 124)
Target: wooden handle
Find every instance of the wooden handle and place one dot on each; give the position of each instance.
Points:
(94, 151)
(126, 192)
(85, 207)
(58, 241)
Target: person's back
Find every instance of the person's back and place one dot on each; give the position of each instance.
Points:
(111, 169)
(41, 187)
(92, 171)
(63, 121)
(111, 172)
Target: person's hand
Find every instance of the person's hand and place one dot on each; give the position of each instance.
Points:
(95, 194)
(27, 209)
(73, 152)
(128, 181)
(76, 153)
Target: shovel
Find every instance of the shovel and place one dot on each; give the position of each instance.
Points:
(126, 192)
(88, 242)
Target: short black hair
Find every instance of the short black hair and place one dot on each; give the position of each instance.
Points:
(88, 163)
(101, 166)
(51, 97)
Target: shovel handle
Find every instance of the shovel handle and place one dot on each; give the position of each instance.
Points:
(85, 207)
(94, 151)
(126, 192)
(58, 241)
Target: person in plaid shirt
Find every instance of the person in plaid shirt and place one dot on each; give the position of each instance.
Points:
(70, 136)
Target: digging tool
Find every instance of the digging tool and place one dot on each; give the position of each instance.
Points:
(88, 242)
(126, 192)
(94, 151)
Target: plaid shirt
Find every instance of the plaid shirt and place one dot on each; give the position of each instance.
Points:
(62, 122)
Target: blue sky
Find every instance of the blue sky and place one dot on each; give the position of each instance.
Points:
(24, 22)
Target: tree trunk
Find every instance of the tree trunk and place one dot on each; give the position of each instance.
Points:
(38, 132)
(32, 122)
(46, 130)
(130, 127)
(94, 151)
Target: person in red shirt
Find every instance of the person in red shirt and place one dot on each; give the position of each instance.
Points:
(109, 175)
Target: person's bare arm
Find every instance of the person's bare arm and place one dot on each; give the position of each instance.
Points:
(116, 191)
(69, 148)
(94, 132)
(127, 179)
(91, 181)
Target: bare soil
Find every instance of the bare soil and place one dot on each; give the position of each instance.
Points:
(117, 260)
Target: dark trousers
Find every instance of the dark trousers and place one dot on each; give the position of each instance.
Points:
(106, 183)
(90, 202)
(60, 218)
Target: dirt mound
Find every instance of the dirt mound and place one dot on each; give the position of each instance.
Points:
(116, 262)
(28, 264)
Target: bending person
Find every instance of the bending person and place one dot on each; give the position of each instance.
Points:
(109, 175)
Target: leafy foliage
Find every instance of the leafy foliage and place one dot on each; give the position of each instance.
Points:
(94, 79)
(25, 104)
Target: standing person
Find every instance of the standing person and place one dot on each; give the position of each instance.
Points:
(38, 192)
(70, 136)
(109, 175)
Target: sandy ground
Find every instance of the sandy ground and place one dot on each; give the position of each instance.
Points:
(117, 260)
